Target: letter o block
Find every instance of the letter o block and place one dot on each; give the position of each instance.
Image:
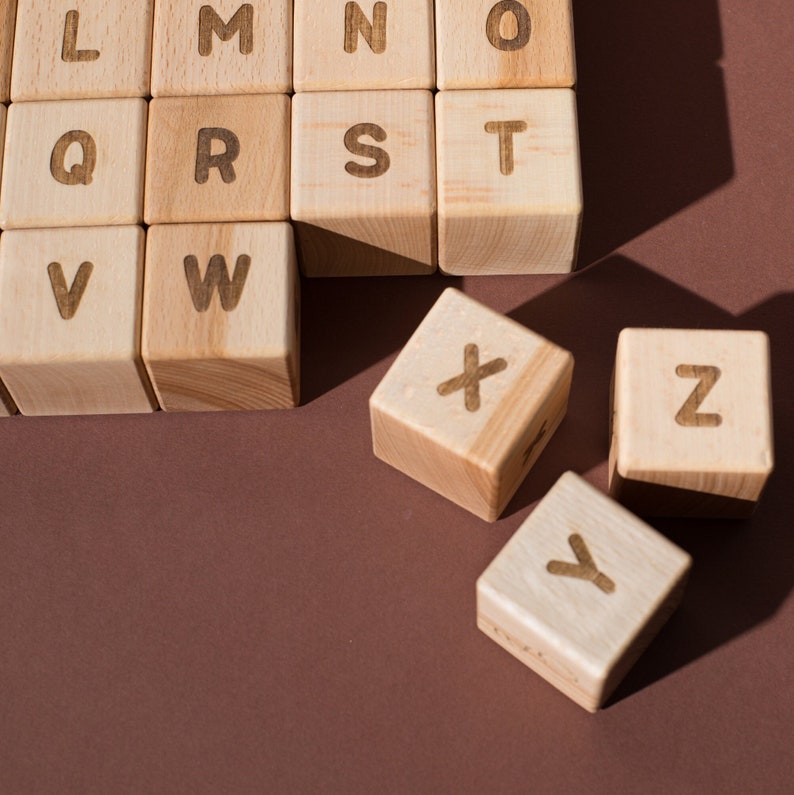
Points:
(691, 422)
(470, 403)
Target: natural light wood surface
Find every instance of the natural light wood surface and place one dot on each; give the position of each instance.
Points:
(8, 10)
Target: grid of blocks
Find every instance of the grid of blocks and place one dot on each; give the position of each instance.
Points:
(162, 183)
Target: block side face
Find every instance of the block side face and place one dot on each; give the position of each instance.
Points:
(7, 406)
(3, 114)
(8, 12)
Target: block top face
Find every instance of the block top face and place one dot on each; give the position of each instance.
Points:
(594, 620)
(661, 424)
(507, 44)
(221, 47)
(342, 45)
(70, 50)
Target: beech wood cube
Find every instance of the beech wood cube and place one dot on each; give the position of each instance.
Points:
(8, 13)
(470, 403)
(691, 422)
(363, 182)
(509, 181)
(580, 590)
(70, 312)
(221, 316)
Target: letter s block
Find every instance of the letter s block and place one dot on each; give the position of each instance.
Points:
(691, 422)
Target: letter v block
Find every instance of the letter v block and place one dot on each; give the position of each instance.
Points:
(580, 590)
(220, 316)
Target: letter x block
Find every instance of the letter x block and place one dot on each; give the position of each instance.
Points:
(470, 403)
(580, 590)
(691, 422)
(220, 316)
(8, 12)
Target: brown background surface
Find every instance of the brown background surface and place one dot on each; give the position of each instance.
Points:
(253, 603)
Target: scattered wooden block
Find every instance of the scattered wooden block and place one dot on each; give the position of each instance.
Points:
(344, 46)
(73, 163)
(507, 44)
(509, 182)
(692, 422)
(70, 308)
(221, 316)
(67, 50)
(470, 403)
(8, 14)
(580, 591)
(363, 182)
(221, 47)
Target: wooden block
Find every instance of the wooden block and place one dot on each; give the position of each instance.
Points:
(692, 422)
(221, 316)
(580, 590)
(508, 44)
(70, 50)
(70, 309)
(509, 192)
(8, 13)
(347, 46)
(73, 163)
(221, 47)
(363, 182)
(470, 403)
(3, 113)
(218, 159)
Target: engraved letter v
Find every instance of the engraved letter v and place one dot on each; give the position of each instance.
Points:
(68, 300)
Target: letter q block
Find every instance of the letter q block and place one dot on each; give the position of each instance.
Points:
(470, 403)
(691, 422)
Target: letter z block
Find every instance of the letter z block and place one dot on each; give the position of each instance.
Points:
(691, 422)
(580, 590)
(470, 403)
(8, 13)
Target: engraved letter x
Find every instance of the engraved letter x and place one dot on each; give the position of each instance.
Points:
(469, 379)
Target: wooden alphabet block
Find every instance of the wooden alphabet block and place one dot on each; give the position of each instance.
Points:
(346, 46)
(218, 159)
(73, 163)
(221, 47)
(363, 182)
(8, 13)
(507, 44)
(70, 311)
(691, 422)
(221, 316)
(580, 590)
(509, 181)
(70, 50)
(470, 403)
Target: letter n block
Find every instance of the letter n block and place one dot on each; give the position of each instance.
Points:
(8, 12)
(580, 590)
(509, 192)
(470, 403)
(363, 182)
(220, 317)
(691, 422)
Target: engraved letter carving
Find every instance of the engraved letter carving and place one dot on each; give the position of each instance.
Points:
(506, 130)
(585, 567)
(242, 22)
(68, 299)
(380, 156)
(217, 275)
(469, 379)
(80, 173)
(69, 51)
(374, 34)
(688, 415)
(494, 24)
(205, 160)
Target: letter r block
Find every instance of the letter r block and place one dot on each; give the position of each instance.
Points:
(691, 422)
(470, 403)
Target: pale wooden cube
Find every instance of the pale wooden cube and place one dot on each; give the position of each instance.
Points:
(470, 403)
(509, 181)
(344, 46)
(580, 590)
(74, 163)
(691, 422)
(218, 159)
(363, 182)
(70, 312)
(221, 316)
(8, 13)
(69, 50)
(508, 44)
(221, 47)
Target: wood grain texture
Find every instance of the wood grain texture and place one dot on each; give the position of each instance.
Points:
(8, 12)
(327, 58)
(69, 50)
(363, 182)
(89, 363)
(46, 182)
(207, 349)
(509, 181)
(427, 424)
(480, 44)
(256, 58)
(580, 631)
(679, 425)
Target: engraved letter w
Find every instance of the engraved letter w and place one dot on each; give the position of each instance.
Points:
(217, 275)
